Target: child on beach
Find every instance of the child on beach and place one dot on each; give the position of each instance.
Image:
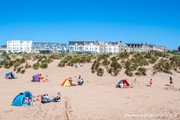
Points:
(79, 77)
(38, 98)
(171, 81)
(150, 82)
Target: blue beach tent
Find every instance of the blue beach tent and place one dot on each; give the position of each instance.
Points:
(10, 73)
(18, 100)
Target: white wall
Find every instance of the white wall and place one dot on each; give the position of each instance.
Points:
(16, 46)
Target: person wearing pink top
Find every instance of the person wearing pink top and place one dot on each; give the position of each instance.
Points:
(150, 82)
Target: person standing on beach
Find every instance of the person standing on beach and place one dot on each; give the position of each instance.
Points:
(150, 82)
(171, 81)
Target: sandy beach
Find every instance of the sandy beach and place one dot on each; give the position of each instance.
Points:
(96, 99)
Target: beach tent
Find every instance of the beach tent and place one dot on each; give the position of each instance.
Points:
(66, 83)
(18, 100)
(10, 73)
(121, 83)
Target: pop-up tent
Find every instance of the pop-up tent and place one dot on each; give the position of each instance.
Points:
(18, 100)
(9, 76)
(66, 83)
(123, 84)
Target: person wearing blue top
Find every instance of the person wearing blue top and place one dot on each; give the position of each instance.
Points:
(81, 81)
(171, 81)
(79, 77)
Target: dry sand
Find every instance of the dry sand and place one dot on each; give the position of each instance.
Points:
(97, 99)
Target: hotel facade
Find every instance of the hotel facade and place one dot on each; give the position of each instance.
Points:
(84, 46)
(144, 48)
(17, 46)
(95, 46)
(49, 47)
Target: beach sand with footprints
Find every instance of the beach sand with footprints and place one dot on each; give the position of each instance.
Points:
(96, 99)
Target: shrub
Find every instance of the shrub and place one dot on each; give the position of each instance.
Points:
(23, 60)
(106, 62)
(97, 66)
(54, 57)
(19, 69)
(27, 56)
(127, 64)
(93, 65)
(123, 55)
(23, 71)
(110, 71)
(44, 65)
(75, 60)
(100, 72)
(134, 67)
(113, 59)
(141, 72)
(99, 58)
(163, 66)
(148, 55)
(6, 66)
(123, 63)
(116, 65)
(36, 66)
(61, 64)
(129, 72)
(176, 60)
(11, 63)
(153, 60)
(28, 66)
(115, 71)
(7, 58)
(47, 61)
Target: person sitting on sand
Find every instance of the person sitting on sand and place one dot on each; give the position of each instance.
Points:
(70, 80)
(121, 85)
(45, 99)
(124, 86)
(57, 98)
(171, 80)
(81, 81)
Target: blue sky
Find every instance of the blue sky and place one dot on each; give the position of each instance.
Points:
(132, 21)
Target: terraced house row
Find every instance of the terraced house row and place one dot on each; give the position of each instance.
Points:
(19, 46)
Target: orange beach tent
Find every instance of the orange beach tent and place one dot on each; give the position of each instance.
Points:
(66, 83)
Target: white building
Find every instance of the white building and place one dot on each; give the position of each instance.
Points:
(84, 46)
(144, 48)
(49, 47)
(112, 47)
(17, 46)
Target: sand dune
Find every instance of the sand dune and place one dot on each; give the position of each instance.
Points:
(97, 99)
